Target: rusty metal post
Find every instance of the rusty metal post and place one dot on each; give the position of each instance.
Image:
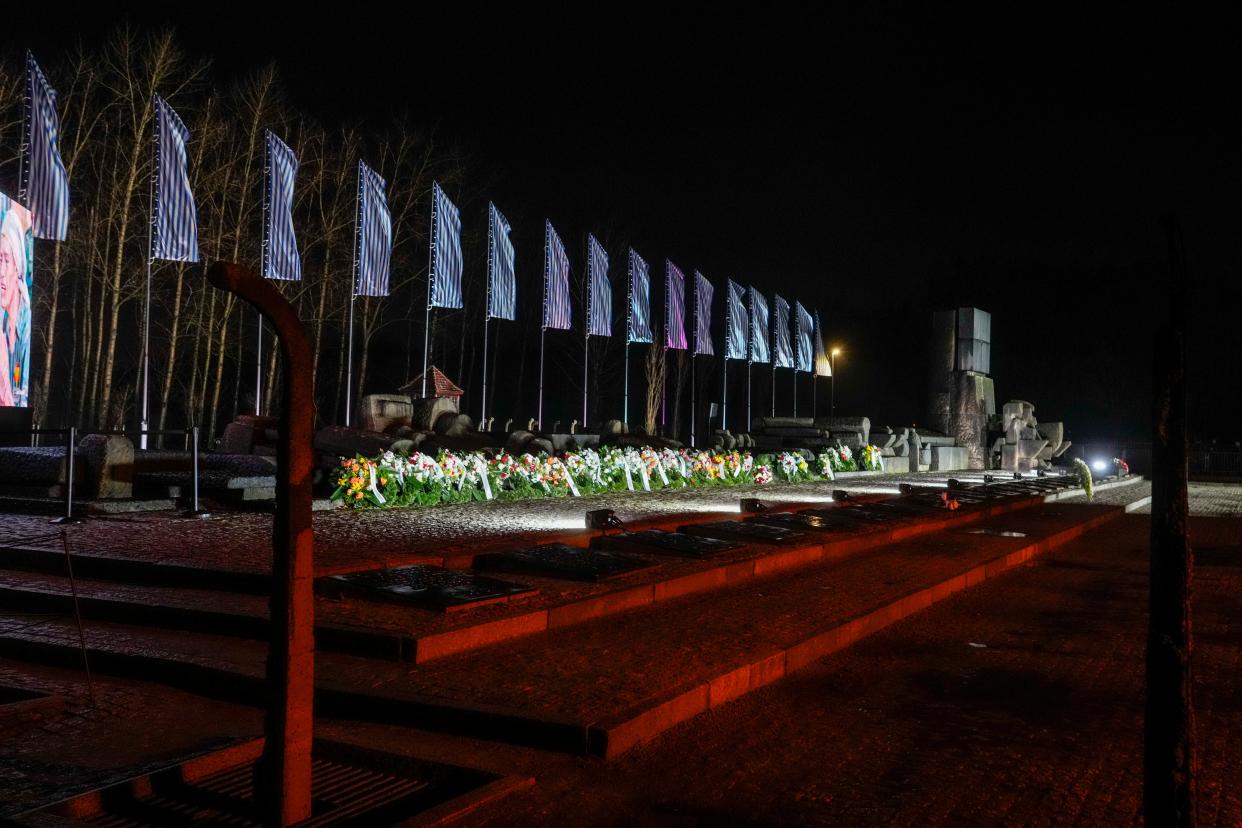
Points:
(283, 776)
(1169, 757)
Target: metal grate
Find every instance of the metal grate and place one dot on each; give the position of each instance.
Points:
(342, 793)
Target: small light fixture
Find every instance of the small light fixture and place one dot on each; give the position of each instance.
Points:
(603, 520)
(987, 478)
(955, 484)
(906, 488)
(840, 494)
(1099, 465)
(1040, 473)
(752, 505)
(1017, 475)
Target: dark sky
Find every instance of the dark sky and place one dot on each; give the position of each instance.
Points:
(879, 166)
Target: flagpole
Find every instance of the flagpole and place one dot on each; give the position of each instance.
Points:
(586, 358)
(774, 386)
(724, 390)
(543, 333)
(625, 408)
(795, 384)
(267, 260)
(146, 305)
(431, 278)
(693, 399)
(483, 415)
(353, 296)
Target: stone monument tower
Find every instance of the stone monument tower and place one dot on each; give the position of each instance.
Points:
(961, 396)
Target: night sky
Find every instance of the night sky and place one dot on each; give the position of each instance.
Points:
(878, 166)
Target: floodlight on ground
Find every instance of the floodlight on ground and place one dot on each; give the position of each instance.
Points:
(1099, 465)
(987, 478)
(840, 494)
(753, 505)
(1017, 475)
(603, 520)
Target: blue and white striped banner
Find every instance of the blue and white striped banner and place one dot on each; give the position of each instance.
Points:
(501, 278)
(446, 264)
(639, 329)
(703, 292)
(44, 187)
(823, 366)
(759, 331)
(374, 233)
(556, 310)
(803, 327)
(782, 348)
(599, 290)
(737, 322)
(674, 307)
(175, 230)
(280, 244)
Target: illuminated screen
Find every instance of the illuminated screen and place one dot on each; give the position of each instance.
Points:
(16, 277)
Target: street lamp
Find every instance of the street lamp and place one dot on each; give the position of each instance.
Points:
(832, 382)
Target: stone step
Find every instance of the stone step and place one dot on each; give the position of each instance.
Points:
(603, 686)
(178, 594)
(192, 610)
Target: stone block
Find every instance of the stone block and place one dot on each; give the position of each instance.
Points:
(858, 425)
(238, 438)
(425, 412)
(108, 461)
(897, 465)
(949, 458)
(385, 412)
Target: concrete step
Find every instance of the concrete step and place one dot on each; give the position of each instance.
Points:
(186, 609)
(602, 686)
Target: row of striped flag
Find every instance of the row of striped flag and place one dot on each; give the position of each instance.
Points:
(44, 188)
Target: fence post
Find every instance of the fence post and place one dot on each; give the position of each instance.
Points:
(194, 454)
(70, 444)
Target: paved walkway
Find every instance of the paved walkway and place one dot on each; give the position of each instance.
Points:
(1018, 702)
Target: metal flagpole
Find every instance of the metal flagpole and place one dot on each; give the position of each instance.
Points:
(483, 414)
(146, 306)
(774, 384)
(431, 278)
(625, 408)
(586, 357)
(487, 310)
(267, 263)
(543, 333)
(724, 390)
(353, 295)
(694, 399)
(814, 395)
(795, 391)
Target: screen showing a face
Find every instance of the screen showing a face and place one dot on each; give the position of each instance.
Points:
(16, 279)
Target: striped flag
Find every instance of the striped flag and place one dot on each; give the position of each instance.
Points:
(280, 244)
(640, 300)
(737, 322)
(501, 281)
(703, 291)
(44, 185)
(446, 263)
(556, 310)
(674, 307)
(599, 290)
(759, 332)
(175, 235)
(374, 233)
(823, 366)
(803, 327)
(782, 348)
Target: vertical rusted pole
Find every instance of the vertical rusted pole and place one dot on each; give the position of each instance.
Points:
(1169, 761)
(283, 777)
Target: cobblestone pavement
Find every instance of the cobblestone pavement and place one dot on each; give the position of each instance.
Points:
(1206, 499)
(241, 540)
(65, 744)
(1017, 702)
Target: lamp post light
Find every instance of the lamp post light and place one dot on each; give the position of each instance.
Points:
(832, 382)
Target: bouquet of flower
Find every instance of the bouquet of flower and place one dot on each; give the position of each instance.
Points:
(1123, 468)
(870, 458)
